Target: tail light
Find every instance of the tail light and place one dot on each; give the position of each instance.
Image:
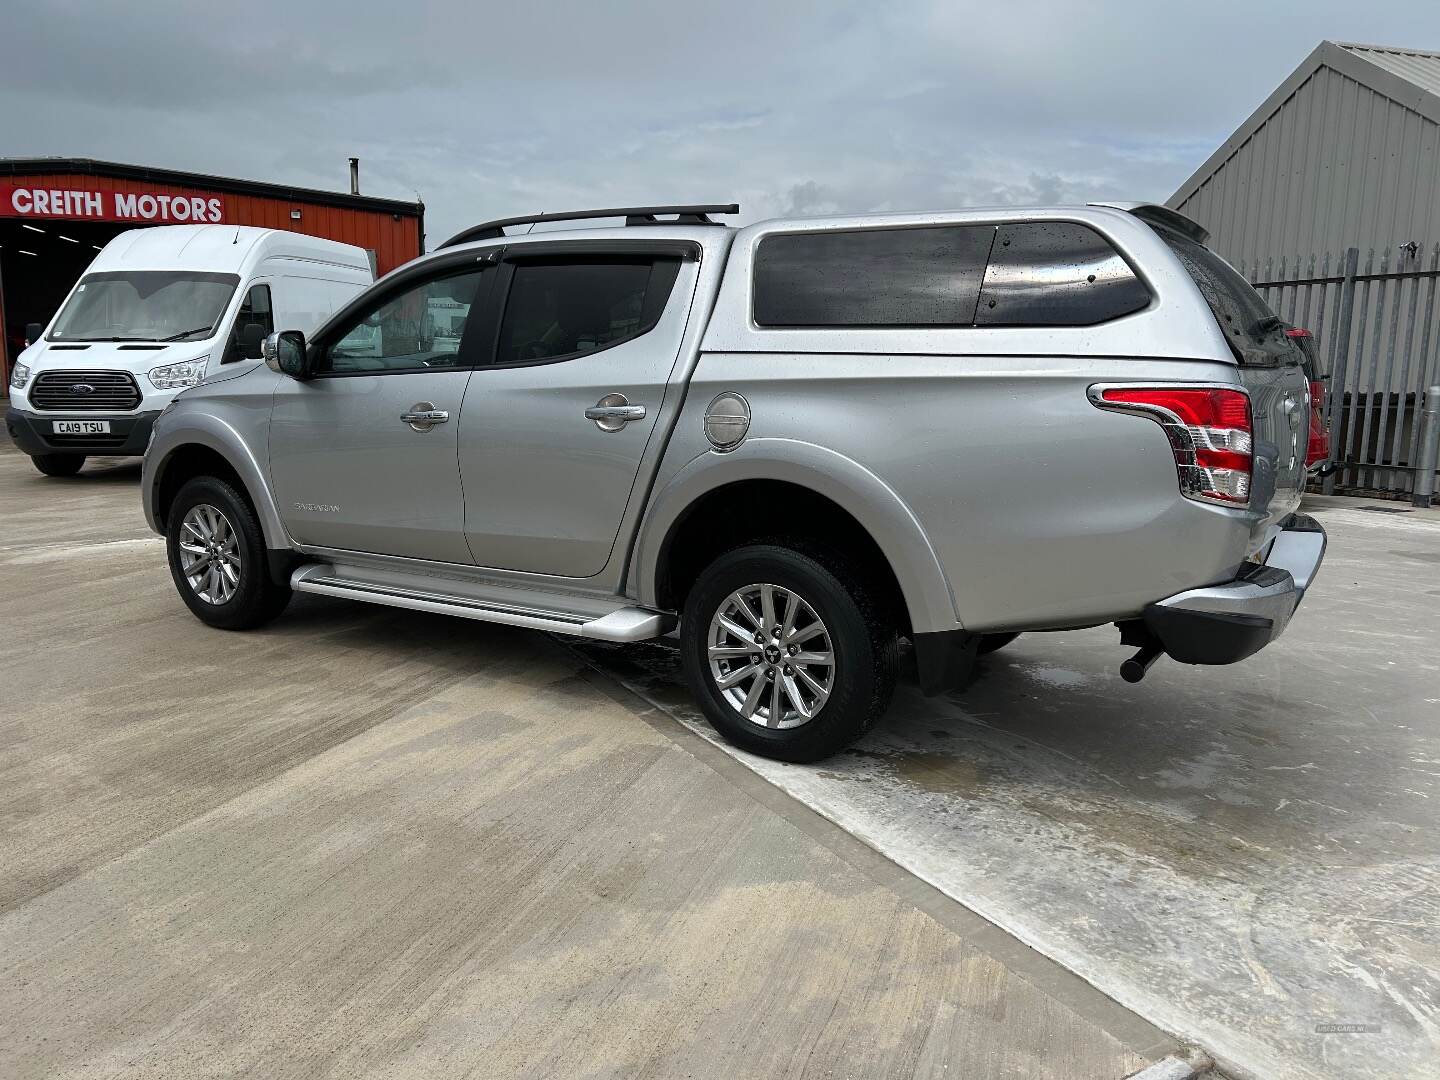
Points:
(1210, 433)
(1318, 448)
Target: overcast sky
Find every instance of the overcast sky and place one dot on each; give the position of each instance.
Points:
(493, 109)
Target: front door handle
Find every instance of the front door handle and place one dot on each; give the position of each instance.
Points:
(422, 416)
(613, 411)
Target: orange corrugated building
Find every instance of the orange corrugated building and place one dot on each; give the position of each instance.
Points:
(55, 213)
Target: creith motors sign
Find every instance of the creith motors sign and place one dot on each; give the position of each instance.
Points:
(78, 204)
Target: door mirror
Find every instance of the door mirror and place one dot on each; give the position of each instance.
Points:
(285, 353)
(252, 340)
(33, 332)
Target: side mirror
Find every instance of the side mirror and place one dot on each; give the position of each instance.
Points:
(252, 340)
(285, 352)
(33, 332)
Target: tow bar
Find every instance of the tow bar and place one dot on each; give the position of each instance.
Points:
(1134, 669)
(1135, 633)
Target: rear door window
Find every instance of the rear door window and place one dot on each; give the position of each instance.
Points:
(871, 277)
(1254, 332)
(1056, 273)
(559, 309)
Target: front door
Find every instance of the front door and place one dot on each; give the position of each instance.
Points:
(557, 420)
(363, 456)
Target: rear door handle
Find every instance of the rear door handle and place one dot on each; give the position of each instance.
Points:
(422, 416)
(613, 411)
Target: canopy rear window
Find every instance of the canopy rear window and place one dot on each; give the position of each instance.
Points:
(1255, 333)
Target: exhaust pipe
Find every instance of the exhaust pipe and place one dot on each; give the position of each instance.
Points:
(354, 176)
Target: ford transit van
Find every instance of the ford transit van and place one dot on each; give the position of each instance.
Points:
(157, 311)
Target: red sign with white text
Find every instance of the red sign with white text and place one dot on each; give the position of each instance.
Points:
(79, 204)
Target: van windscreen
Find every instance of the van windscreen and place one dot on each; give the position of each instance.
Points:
(145, 305)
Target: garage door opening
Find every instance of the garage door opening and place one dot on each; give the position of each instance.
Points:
(39, 263)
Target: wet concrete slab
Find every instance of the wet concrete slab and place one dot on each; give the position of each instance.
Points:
(368, 842)
(1248, 856)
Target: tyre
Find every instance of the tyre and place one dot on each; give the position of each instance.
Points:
(58, 464)
(789, 653)
(217, 557)
(991, 642)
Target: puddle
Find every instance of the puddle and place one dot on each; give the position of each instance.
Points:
(941, 774)
(1061, 678)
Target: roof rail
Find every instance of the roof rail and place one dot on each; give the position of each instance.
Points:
(633, 215)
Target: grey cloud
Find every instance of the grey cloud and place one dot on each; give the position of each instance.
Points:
(491, 109)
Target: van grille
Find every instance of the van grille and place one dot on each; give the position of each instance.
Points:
(111, 391)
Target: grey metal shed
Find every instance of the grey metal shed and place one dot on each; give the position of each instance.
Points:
(1345, 152)
(1328, 199)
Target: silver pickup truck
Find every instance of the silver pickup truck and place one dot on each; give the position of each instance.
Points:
(804, 441)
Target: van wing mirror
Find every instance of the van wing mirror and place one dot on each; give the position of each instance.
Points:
(285, 353)
(33, 332)
(252, 340)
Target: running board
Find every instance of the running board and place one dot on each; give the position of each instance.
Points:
(622, 624)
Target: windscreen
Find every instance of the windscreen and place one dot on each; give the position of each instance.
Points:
(1255, 333)
(145, 305)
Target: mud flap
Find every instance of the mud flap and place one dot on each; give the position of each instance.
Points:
(945, 659)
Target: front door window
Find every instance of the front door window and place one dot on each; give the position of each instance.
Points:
(418, 330)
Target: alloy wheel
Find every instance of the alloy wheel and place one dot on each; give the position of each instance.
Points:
(209, 554)
(771, 656)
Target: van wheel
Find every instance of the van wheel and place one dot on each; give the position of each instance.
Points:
(58, 464)
(788, 652)
(217, 557)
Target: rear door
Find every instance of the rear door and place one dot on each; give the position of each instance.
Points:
(558, 416)
(1272, 370)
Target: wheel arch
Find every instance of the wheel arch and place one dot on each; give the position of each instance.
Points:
(801, 479)
(198, 451)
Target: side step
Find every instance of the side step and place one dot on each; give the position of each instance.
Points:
(622, 624)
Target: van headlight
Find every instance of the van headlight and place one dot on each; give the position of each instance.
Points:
(178, 376)
(19, 376)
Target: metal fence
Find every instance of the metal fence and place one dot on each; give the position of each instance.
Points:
(1379, 346)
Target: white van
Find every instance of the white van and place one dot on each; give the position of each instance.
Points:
(157, 311)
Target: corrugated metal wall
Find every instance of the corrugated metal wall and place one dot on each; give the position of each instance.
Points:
(395, 239)
(1338, 164)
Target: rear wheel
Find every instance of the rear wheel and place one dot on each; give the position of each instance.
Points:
(217, 557)
(788, 652)
(58, 464)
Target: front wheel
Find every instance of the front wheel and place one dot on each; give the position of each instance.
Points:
(217, 557)
(789, 653)
(58, 464)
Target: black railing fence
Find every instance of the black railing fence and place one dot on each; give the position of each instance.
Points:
(1378, 345)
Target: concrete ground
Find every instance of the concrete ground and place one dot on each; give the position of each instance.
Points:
(374, 842)
(1248, 856)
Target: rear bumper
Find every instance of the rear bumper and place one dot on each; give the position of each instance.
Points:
(32, 432)
(1221, 624)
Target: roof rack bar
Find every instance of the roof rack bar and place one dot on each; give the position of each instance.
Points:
(633, 215)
